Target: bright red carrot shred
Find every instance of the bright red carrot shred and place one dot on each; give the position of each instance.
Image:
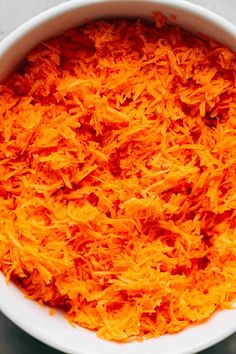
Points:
(117, 179)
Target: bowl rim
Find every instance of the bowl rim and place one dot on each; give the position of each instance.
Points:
(53, 12)
(57, 10)
(30, 329)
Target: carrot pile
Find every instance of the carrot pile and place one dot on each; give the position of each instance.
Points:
(117, 177)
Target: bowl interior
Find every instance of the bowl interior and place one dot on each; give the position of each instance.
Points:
(28, 315)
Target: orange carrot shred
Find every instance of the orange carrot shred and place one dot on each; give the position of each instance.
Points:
(117, 178)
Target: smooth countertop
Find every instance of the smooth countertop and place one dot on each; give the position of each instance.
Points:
(12, 14)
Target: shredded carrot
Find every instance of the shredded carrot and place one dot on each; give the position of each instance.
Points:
(117, 179)
(173, 17)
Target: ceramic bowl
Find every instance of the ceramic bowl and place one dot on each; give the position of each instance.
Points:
(55, 330)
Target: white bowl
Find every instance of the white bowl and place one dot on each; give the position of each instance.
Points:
(55, 331)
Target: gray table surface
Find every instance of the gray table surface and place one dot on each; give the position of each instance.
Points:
(12, 14)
